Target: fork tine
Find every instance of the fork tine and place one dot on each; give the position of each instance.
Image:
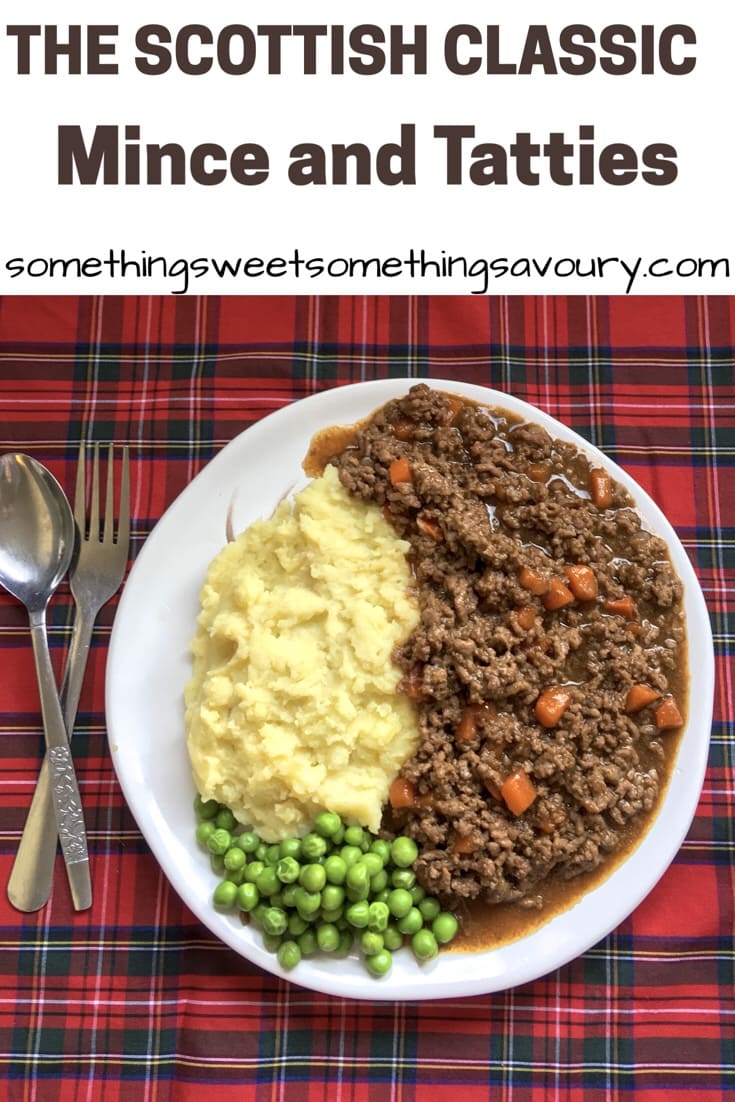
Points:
(94, 505)
(123, 524)
(80, 496)
(109, 498)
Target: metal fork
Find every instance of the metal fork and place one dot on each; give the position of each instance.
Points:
(95, 575)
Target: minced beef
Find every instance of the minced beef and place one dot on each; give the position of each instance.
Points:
(488, 496)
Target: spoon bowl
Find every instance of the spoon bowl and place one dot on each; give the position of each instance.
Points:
(36, 547)
(36, 530)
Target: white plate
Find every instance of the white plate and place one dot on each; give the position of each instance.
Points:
(149, 665)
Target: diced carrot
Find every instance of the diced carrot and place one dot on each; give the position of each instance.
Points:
(464, 843)
(526, 616)
(400, 471)
(582, 582)
(429, 528)
(667, 715)
(403, 428)
(533, 582)
(402, 793)
(551, 706)
(621, 606)
(538, 472)
(558, 595)
(467, 727)
(639, 696)
(601, 488)
(412, 683)
(518, 792)
(492, 788)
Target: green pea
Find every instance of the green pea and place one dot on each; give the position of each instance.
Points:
(378, 915)
(290, 847)
(257, 913)
(350, 854)
(354, 835)
(444, 927)
(205, 809)
(404, 852)
(424, 945)
(372, 863)
(378, 882)
(358, 876)
(233, 875)
(289, 955)
(308, 903)
(288, 895)
(380, 963)
(325, 915)
(327, 823)
(261, 852)
(403, 878)
(411, 922)
(358, 914)
(297, 924)
(392, 937)
(346, 939)
(339, 836)
(333, 896)
(235, 859)
(335, 869)
(225, 819)
(287, 870)
(382, 896)
(382, 848)
(307, 943)
(429, 908)
(371, 942)
(225, 894)
(276, 900)
(275, 920)
(272, 942)
(267, 882)
(356, 894)
(219, 841)
(312, 877)
(273, 855)
(313, 846)
(327, 937)
(417, 894)
(204, 832)
(399, 902)
(247, 897)
(253, 870)
(217, 861)
(247, 841)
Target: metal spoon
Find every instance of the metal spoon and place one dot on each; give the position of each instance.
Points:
(36, 546)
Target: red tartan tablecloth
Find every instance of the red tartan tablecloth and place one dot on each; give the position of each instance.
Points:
(134, 999)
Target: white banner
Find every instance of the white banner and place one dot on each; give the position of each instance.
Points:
(366, 148)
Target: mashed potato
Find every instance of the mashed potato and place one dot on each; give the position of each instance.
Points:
(292, 706)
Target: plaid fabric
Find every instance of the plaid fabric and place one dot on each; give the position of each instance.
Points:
(134, 999)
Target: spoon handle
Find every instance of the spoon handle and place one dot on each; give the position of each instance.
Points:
(64, 787)
(31, 877)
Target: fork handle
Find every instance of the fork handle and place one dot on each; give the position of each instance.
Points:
(32, 874)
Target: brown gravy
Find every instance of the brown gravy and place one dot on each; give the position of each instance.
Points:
(486, 926)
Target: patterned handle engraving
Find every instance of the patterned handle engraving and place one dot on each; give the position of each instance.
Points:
(66, 800)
